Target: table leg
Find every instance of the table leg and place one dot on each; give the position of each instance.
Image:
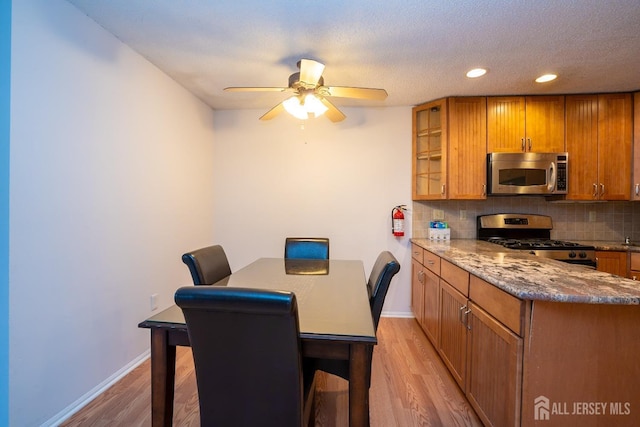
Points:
(163, 369)
(359, 372)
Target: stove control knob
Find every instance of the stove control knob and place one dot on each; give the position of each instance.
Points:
(572, 254)
(582, 254)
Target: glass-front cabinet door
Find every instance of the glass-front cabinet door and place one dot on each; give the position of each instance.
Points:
(429, 150)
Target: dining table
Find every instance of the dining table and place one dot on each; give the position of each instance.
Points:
(334, 317)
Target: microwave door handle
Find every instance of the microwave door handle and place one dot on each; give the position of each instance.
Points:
(552, 178)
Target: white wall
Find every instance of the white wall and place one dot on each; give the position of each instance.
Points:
(5, 84)
(274, 179)
(110, 183)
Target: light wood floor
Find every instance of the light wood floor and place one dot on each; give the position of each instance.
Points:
(410, 386)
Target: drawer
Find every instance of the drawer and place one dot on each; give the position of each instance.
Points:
(506, 308)
(432, 262)
(634, 262)
(455, 276)
(416, 253)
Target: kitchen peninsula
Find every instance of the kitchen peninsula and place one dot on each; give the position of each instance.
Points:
(530, 339)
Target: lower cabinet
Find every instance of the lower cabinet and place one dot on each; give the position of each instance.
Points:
(477, 330)
(612, 262)
(494, 379)
(417, 291)
(453, 332)
(634, 266)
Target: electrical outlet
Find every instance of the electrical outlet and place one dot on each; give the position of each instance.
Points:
(154, 302)
(463, 214)
(438, 214)
(592, 216)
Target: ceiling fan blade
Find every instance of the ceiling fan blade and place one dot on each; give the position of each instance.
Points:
(273, 112)
(310, 71)
(355, 92)
(332, 113)
(255, 89)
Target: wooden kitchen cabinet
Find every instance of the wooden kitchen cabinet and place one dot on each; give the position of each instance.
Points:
(612, 262)
(634, 266)
(430, 150)
(494, 380)
(424, 292)
(635, 180)
(417, 291)
(449, 149)
(478, 331)
(431, 307)
(599, 143)
(453, 332)
(467, 171)
(525, 123)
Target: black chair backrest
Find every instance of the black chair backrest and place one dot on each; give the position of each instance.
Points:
(385, 267)
(246, 350)
(207, 265)
(306, 248)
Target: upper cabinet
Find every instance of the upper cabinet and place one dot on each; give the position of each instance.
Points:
(525, 123)
(449, 149)
(467, 148)
(599, 142)
(429, 150)
(635, 181)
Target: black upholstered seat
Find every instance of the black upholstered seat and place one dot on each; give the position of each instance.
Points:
(207, 265)
(306, 248)
(385, 267)
(246, 350)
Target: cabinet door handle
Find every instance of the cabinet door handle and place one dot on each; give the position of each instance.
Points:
(529, 140)
(595, 191)
(461, 313)
(484, 189)
(637, 190)
(466, 319)
(443, 187)
(601, 189)
(524, 147)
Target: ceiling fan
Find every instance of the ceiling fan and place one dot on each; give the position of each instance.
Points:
(310, 95)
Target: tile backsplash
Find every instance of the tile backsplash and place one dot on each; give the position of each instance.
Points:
(608, 221)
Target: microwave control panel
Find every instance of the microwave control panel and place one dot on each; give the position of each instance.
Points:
(561, 179)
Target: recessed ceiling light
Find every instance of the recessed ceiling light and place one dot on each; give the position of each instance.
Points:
(546, 78)
(476, 72)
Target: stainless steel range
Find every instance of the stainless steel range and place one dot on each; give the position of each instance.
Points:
(532, 233)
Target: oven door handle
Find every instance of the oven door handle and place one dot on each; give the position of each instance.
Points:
(552, 178)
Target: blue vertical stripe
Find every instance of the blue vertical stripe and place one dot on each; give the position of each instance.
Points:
(5, 104)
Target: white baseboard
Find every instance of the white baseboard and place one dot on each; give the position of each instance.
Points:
(67, 412)
(401, 314)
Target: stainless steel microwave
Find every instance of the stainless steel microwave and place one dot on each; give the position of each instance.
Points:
(527, 173)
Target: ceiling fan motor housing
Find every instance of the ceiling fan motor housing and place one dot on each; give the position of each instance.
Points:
(295, 83)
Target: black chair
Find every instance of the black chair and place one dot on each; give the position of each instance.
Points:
(246, 351)
(207, 265)
(306, 248)
(385, 267)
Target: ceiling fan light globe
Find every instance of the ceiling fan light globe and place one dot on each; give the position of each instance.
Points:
(304, 107)
(295, 108)
(314, 106)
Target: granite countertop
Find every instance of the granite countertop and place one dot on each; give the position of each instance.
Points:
(529, 277)
(602, 245)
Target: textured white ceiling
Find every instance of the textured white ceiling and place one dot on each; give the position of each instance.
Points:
(417, 50)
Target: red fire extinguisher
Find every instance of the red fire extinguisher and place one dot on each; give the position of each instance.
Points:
(397, 220)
